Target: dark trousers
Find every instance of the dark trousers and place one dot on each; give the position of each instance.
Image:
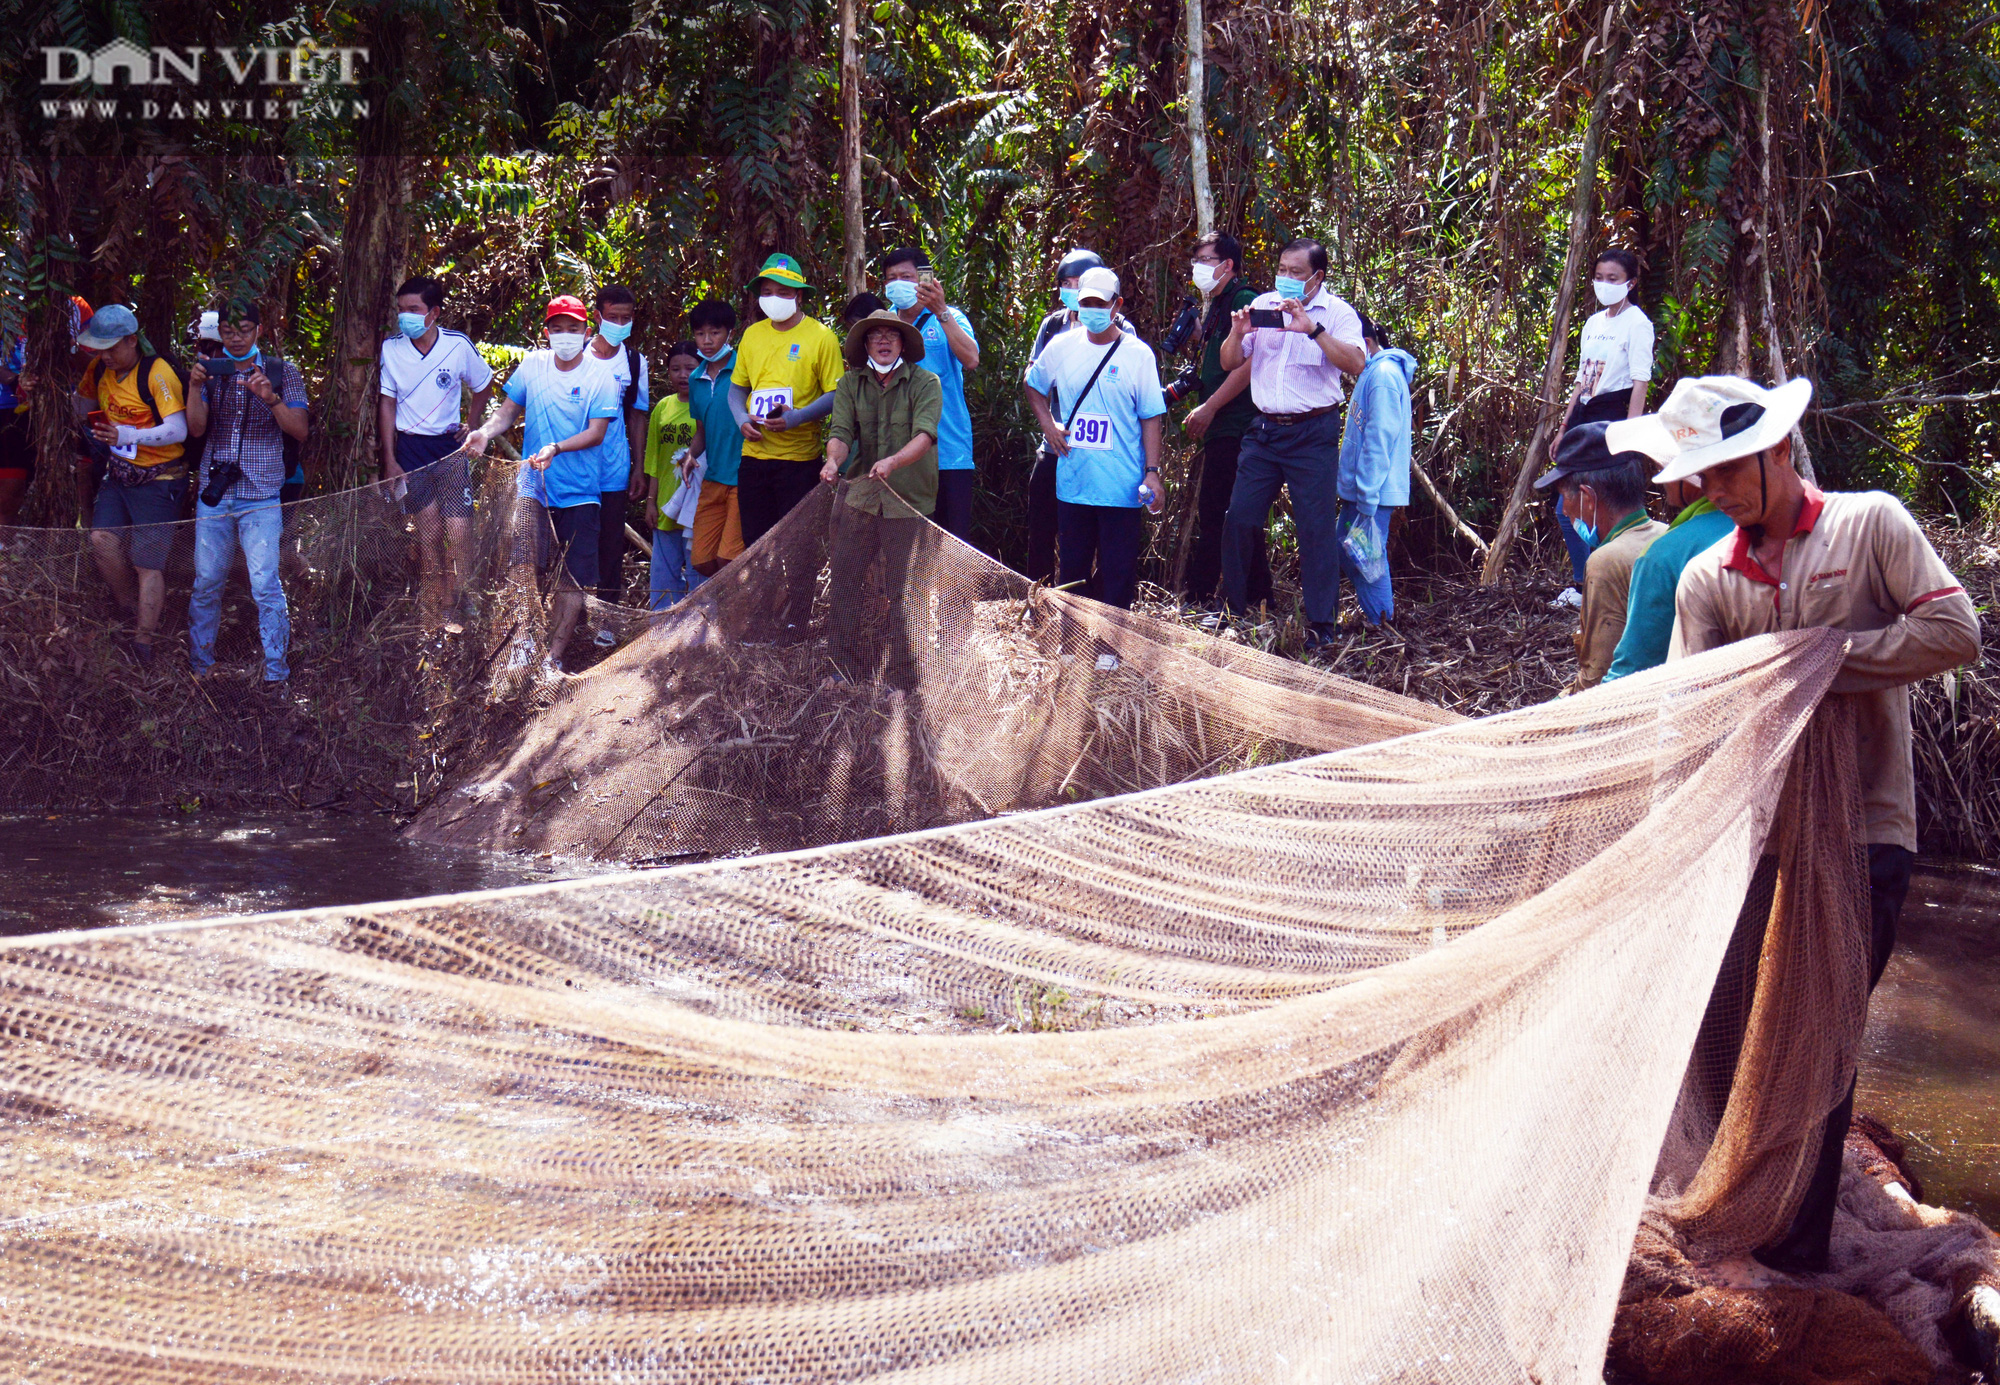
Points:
(954, 504)
(858, 538)
(1304, 458)
(1109, 536)
(1804, 1244)
(1204, 567)
(1041, 564)
(611, 546)
(766, 491)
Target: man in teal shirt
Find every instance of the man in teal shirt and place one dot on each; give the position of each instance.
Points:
(1649, 607)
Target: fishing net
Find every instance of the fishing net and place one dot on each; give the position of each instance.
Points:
(1357, 1067)
(790, 703)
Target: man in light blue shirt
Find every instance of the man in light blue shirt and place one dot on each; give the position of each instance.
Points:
(950, 349)
(1096, 394)
(567, 404)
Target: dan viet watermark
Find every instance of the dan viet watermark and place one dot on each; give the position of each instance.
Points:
(202, 83)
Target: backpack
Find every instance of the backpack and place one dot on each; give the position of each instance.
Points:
(637, 361)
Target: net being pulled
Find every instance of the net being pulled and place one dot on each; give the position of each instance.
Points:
(1354, 1068)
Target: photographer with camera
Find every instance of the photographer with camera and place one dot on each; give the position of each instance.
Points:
(1300, 339)
(1223, 414)
(246, 403)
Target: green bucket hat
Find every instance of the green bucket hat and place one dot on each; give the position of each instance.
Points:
(783, 269)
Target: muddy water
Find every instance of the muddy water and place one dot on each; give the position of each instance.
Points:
(97, 871)
(1930, 1065)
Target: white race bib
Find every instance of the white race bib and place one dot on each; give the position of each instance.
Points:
(1091, 432)
(765, 402)
(125, 450)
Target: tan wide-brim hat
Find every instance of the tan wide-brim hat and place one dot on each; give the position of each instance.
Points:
(857, 337)
(1690, 433)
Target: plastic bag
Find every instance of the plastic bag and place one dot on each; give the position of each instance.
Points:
(1364, 546)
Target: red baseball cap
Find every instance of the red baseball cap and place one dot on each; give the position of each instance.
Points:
(568, 305)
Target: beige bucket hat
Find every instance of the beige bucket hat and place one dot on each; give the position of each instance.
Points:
(1710, 419)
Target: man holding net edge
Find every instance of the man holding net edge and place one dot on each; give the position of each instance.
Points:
(1799, 559)
(567, 405)
(1300, 339)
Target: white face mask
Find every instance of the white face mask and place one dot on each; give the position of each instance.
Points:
(1204, 276)
(881, 369)
(1607, 294)
(567, 345)
(778, 309)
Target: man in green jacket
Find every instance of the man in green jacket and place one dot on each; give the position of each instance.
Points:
(882, 440)
(1220, 420)
(1649, 607)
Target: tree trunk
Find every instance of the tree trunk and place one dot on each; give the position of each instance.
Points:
(340, 451)
(1551, 398)
(855, 264)
(1801, 454)
(1197, 121)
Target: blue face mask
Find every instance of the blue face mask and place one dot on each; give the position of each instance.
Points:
(901, 294)
(1068, 297)
(1294, 289)
(1094, 319)
(413, 325)
(613, 332)
(244, 357)
(716, 357)
(1586, 532)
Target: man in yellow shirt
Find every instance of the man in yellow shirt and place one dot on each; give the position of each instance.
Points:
(135, 405)
(787, 367)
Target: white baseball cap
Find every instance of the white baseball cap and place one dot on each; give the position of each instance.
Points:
(1710, 419)
(1097, 283)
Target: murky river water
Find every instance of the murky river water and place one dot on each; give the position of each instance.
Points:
(1931, 1070)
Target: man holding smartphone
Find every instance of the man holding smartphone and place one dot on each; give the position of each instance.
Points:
(950, 350)
(246, 403)
(1300, 339)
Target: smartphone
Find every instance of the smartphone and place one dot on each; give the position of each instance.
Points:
(96, 417)
(925, 276)
(1267, 317)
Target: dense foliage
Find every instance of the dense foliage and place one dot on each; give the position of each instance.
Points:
(1811, 182)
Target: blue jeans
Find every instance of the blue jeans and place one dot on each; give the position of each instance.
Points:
(1378, 599)
(258, 528)
(673, 575)
(1304, 458)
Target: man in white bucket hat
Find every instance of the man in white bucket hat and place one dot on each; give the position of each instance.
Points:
(1800, 559)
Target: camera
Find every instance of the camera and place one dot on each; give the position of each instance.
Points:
(1183, 384)
(221, 477)
(1183, 329)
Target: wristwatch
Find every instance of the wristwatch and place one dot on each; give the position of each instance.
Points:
(1313, 335)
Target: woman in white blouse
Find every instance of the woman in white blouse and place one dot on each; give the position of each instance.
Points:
(1614, 366)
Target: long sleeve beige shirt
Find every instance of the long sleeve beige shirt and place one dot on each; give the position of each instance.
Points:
(1856, 562)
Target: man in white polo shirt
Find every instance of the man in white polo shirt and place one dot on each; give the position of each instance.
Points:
(426, 368)
(1303, 341)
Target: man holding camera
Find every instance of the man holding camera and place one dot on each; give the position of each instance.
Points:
(1223, 412)
(1299, 339)
(246, 403)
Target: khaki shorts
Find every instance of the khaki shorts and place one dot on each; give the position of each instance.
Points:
(718, 529)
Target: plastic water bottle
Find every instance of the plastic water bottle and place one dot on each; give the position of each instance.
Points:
(1146, 495)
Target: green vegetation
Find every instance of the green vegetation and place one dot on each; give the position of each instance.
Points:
(1814, 180)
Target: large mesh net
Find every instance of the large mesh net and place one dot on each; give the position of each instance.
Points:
(1361, 1064)
(1297, 1072)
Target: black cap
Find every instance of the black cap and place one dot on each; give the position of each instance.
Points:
(1581, 452)
(1076, 262)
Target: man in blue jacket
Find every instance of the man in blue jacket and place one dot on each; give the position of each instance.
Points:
(1374, 467)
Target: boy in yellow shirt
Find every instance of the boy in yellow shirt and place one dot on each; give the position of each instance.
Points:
(787, 367)
(669, 433)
